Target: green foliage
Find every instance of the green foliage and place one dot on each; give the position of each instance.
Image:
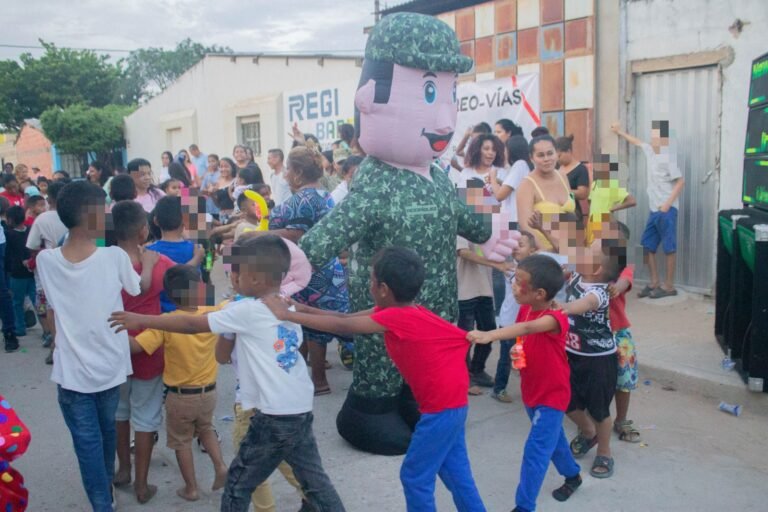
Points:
(60, 77)
(149, 71)
(63, 77)
(80, 128)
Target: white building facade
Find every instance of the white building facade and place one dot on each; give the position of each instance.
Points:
(245, 99)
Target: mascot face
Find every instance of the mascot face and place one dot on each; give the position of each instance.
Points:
(416, 122)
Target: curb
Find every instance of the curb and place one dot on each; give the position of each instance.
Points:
(705, 386)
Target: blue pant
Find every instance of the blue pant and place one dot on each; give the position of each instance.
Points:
(661, 228)
(6, 309)
(438, 448)
(546, 441)
(90, 418)
(503, 367)
(21, 289)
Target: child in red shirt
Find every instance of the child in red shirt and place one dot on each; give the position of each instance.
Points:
(141, 396)
(544, 381)
(430, 353)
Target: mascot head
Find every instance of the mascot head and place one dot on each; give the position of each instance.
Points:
(406, 99)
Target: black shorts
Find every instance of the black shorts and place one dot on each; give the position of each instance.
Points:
(593, 383)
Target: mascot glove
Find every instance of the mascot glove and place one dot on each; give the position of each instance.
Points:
(503, 241)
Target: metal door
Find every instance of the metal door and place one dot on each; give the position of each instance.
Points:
(690, 100)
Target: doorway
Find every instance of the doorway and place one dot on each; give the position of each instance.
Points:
(690, 100)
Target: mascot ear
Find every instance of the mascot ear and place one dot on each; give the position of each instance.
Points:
(364, 97)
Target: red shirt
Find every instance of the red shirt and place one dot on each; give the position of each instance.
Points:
(546, 378)
(15, 200)
(618, 306)
(147, 367)
(29, 221)
(430, 353)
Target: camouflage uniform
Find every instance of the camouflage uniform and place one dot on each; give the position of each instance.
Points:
(388, 206)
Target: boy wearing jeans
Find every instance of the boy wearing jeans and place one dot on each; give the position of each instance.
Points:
(91, 360)
(430, 354)
(273, 378)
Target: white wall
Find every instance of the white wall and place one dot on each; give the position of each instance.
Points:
(206, 101)
(661, 28)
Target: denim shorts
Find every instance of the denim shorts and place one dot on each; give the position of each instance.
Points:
(141, 402)
(661, 228)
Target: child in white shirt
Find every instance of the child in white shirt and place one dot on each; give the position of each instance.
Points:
(273, 378)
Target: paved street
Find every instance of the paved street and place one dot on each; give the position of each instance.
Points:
(694, 457)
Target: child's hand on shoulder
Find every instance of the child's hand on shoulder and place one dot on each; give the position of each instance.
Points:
(148, 257)
(479, 337)
(124, 321)
(277, 305)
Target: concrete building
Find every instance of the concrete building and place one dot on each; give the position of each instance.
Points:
(686, 61)
(249, 99)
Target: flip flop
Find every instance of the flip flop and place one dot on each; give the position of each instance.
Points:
(660, 293)
(646, 292)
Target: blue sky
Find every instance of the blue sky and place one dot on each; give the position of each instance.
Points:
(243, 25)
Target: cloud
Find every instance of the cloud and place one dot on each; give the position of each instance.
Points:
(254, 25)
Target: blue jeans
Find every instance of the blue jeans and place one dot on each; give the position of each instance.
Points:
(438, 448)
(20, 289)
(503, 367)
(269, 441)
(546, 441)
(90, 418)
(6, 309)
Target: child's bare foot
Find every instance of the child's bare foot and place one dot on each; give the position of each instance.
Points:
(221, 478)
(188, 495)
(146, 494)
(122, 477)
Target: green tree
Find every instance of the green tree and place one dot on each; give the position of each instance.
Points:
(80, 129)
(149, 71)
(60, 77)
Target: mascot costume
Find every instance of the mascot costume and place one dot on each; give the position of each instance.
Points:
(406, 115)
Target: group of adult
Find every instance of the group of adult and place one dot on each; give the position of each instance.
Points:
(523, 179)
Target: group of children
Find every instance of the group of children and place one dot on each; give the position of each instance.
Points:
(110, 380)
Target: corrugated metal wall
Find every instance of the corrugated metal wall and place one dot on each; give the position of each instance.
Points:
(690, 100)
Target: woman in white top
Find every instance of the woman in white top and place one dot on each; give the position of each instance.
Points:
(348, 170)
(485, 153)
(167, 158)
(505, 186)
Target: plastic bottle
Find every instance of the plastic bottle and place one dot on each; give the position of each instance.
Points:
(730, 408)
(518, 355)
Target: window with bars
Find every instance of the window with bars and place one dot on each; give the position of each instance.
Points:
(250, 133)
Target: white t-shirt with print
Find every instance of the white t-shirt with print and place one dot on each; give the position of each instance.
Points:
(89, 356)
(273, 376)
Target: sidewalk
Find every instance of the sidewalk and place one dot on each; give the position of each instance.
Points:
(676, 344)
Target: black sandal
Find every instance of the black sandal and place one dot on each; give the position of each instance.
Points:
(565, 491)
(602, 463)
(580, 445)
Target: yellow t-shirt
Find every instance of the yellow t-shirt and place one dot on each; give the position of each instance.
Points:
(244, 227)
(605, 196)
(189, 358)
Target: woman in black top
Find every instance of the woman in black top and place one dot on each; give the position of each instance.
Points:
(575, 171)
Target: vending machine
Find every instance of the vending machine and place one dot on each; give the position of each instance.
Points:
(741, 308)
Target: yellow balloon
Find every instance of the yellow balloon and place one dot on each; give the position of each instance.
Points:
(263, 208)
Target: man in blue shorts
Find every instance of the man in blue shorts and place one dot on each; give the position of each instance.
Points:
(665, 184)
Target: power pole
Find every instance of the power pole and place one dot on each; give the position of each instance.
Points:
(376, 11)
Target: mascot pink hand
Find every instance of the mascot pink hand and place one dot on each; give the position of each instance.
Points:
(503, 240)
(299, 272)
